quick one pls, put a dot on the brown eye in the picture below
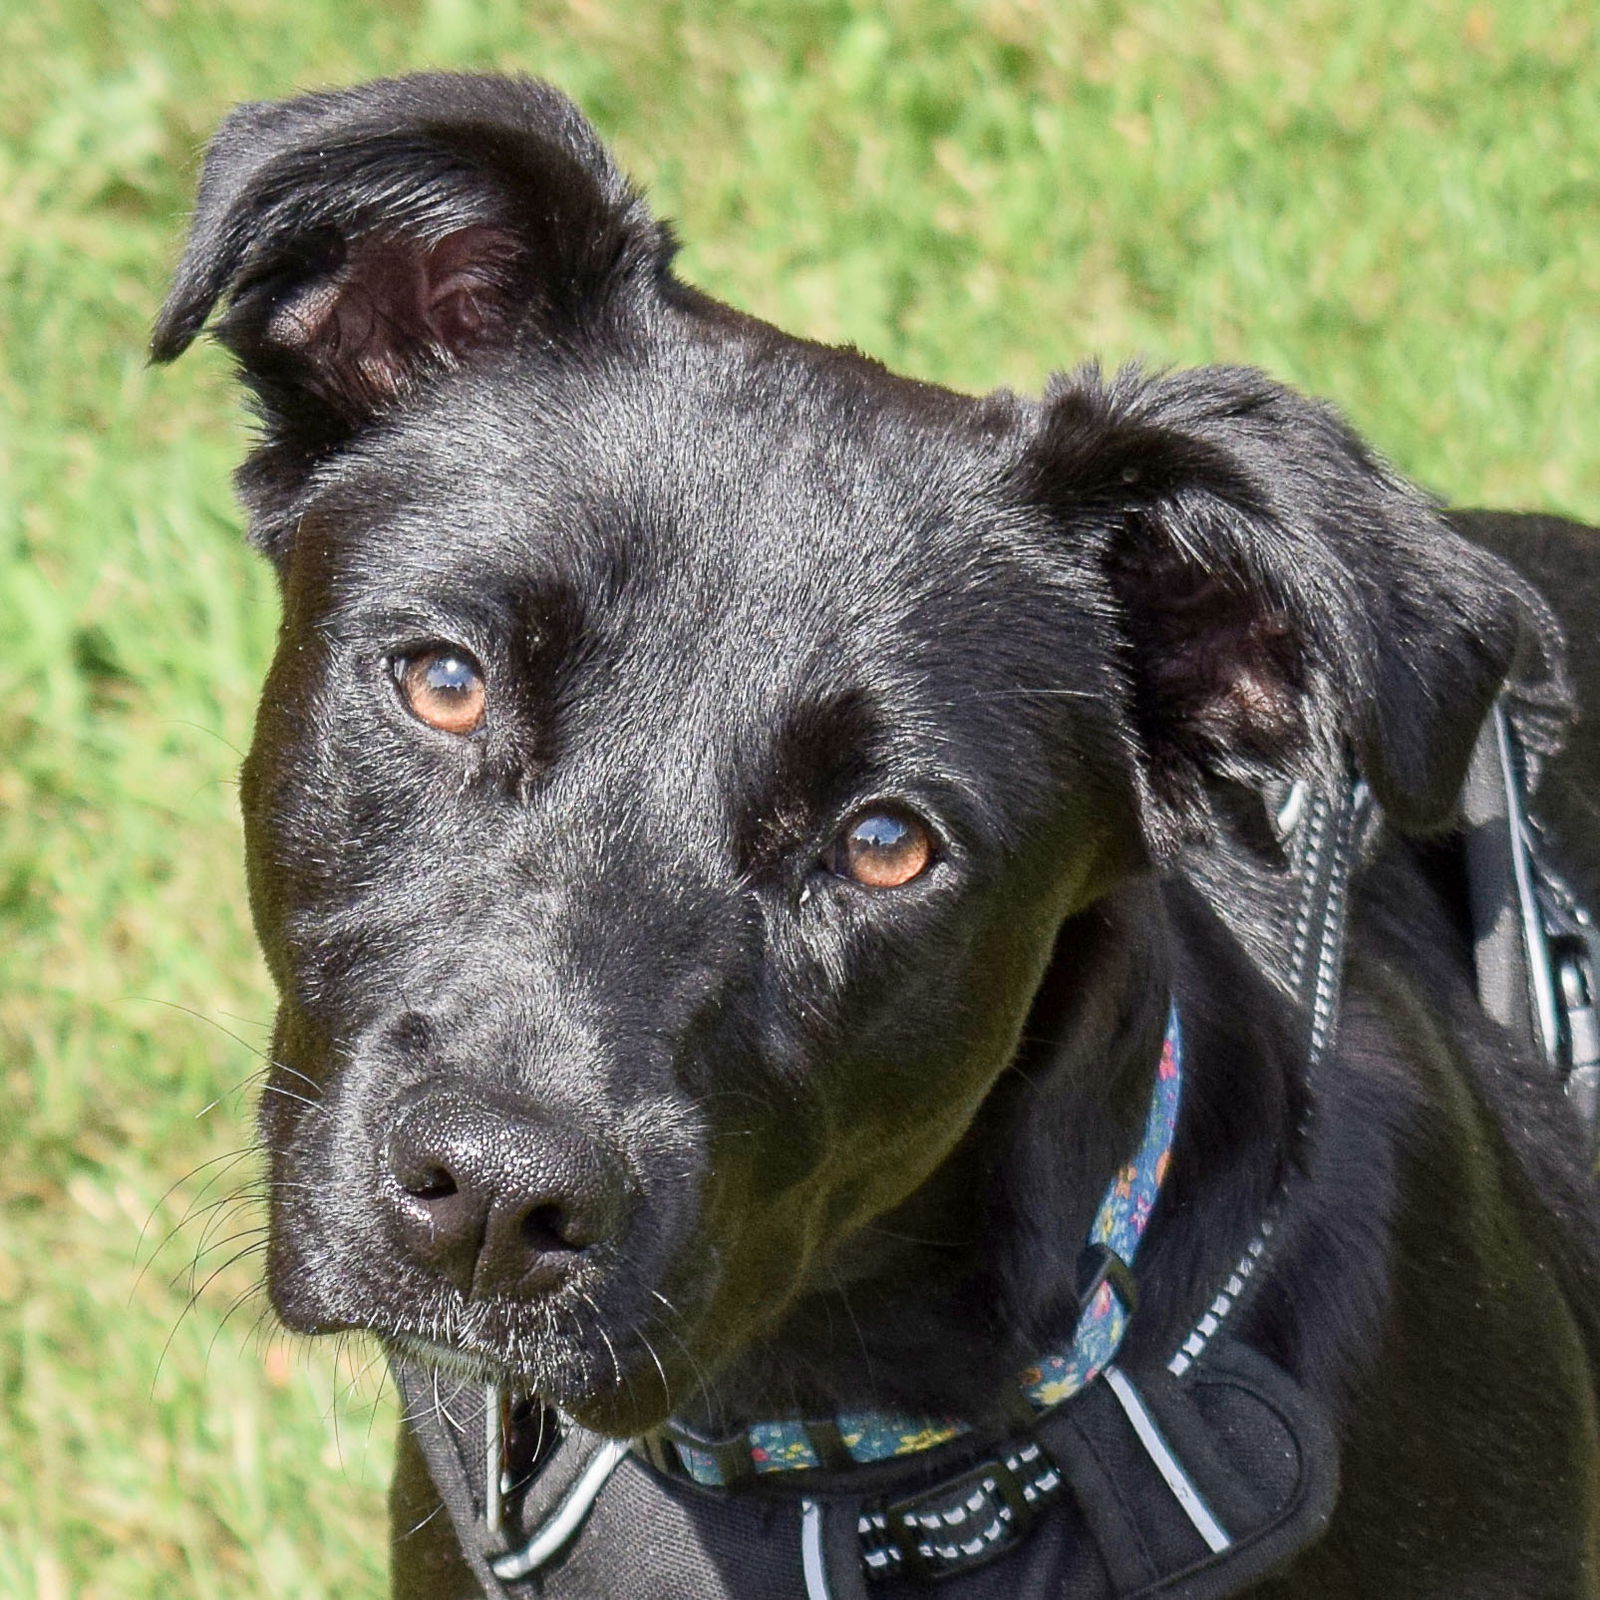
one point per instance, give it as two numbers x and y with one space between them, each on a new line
882 850
444 688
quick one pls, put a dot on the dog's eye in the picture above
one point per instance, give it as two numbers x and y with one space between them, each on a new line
444 688
882 850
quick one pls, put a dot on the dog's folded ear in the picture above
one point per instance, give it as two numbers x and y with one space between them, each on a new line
367 238
1282 597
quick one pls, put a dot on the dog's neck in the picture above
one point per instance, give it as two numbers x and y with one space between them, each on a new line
939 1305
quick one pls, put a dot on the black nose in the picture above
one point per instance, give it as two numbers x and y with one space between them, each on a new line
500 1203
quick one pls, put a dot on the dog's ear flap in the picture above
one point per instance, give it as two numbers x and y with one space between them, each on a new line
367 238
1281 595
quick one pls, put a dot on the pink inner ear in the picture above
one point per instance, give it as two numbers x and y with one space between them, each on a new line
395 307
462 286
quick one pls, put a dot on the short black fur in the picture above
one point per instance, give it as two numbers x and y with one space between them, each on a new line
799 1144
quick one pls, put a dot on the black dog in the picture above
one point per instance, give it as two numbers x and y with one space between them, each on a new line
731 828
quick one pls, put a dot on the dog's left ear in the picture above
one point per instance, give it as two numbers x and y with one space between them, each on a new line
368 242
1280 594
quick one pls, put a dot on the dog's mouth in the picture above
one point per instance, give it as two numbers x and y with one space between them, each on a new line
495 1238
614 1383
455 1363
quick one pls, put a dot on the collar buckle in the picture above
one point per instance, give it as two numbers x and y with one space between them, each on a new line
727 1455
1099 1264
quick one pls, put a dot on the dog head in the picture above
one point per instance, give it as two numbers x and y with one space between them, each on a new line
687 745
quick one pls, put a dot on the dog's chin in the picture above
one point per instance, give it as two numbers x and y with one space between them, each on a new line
610 1382
622 1406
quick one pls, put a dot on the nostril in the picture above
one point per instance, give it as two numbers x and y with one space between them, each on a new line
432 1183
548 1228
442 1209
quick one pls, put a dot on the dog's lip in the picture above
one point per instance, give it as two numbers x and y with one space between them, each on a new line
467 1365
456 1363
461 1366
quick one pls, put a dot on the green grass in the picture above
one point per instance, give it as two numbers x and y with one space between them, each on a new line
1393 205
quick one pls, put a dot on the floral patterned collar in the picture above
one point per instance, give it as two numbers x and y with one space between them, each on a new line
864 1436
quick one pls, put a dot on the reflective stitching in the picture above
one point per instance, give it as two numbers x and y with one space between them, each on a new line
1167 1464
567 1518
812 1562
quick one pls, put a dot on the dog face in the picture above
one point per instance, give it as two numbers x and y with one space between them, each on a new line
719 911
686 745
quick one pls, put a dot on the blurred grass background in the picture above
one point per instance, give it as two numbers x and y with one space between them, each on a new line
1395 205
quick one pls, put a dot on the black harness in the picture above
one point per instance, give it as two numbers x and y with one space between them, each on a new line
1535 947
1189 1476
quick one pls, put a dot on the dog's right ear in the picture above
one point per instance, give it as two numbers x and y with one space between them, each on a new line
366 239
1284 600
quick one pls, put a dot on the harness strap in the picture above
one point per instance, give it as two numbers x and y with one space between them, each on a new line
1535 948
1186 1489
1322 840
544 1484
1515 981
443 1415
1151 1484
